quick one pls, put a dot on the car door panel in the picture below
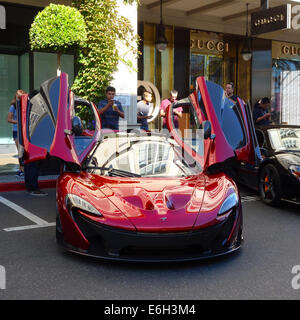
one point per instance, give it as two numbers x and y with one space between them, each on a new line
47 124
232 129
220 149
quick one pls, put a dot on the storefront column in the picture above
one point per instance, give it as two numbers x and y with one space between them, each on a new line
125 79
261 69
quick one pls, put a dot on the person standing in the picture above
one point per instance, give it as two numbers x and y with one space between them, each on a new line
261 115
12 118
32 169
110 110
177 111
31 177
143 108
229 92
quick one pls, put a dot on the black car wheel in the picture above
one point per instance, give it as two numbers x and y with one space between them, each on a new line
269 185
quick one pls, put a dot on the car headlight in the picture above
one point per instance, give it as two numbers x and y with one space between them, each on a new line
295 170
75 201
230 202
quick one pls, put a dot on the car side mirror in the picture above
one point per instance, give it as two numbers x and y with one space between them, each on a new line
77 127
207 131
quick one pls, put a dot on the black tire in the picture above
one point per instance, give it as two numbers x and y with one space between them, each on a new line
269 185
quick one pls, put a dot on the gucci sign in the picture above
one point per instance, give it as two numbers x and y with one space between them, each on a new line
209 45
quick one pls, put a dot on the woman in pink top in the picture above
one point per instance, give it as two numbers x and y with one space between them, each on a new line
177 112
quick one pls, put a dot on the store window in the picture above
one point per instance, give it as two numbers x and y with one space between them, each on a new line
24 72
212 57
45 66
9 79
286 91
211 67
15 74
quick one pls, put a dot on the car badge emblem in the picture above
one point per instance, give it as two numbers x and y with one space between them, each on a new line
163 218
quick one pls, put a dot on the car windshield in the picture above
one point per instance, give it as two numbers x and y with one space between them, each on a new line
285 139
141 154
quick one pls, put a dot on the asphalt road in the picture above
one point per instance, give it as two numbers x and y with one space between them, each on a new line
36 268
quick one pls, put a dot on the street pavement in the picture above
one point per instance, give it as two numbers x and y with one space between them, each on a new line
36 268
9 166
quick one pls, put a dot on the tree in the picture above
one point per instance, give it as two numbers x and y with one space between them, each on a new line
99 58
58 28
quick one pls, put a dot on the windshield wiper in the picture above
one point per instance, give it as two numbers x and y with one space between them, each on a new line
115 172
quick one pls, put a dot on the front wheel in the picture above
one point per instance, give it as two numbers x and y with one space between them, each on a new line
269 185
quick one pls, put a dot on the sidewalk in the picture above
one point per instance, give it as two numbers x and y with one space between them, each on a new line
9 165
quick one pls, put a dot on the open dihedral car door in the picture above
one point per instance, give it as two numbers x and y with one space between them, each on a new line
47 123
227 126
209 145
189 140
232 122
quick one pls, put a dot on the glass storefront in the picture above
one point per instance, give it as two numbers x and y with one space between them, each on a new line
286 91
19 68
211 57
9 80
15 74
45 65
286 83
209 66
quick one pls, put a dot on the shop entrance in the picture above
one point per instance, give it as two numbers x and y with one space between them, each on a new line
209 66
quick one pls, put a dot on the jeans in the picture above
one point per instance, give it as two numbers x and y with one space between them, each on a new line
31 176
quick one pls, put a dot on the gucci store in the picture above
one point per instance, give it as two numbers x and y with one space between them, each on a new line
190 54
273 71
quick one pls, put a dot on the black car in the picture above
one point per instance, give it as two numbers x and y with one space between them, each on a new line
276 174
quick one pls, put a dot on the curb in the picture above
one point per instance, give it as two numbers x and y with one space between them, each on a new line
18 186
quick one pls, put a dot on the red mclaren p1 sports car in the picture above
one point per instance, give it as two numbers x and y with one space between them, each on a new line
142 196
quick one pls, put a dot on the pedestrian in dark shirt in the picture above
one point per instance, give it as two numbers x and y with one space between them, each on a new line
110 110
261 115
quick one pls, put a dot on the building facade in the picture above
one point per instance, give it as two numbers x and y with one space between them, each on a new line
20 68
203 42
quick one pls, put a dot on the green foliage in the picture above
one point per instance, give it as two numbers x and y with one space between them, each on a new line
86 115
131 1
57 28
98 60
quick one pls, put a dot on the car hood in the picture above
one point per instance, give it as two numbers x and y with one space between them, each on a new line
288 158
162 204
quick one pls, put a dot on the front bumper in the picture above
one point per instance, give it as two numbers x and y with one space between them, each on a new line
117 244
